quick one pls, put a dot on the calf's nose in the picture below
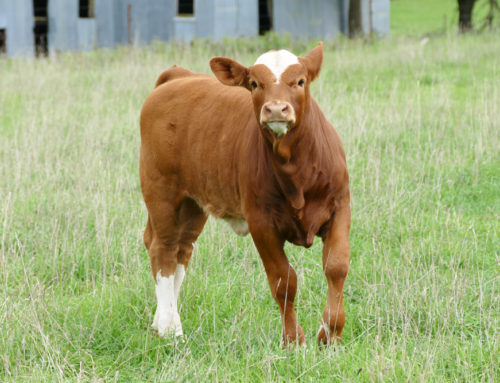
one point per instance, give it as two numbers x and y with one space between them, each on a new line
276 111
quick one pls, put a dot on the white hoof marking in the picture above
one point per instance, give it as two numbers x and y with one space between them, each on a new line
169 323
154 325
167 320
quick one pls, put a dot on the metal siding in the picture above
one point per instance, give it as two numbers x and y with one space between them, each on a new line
235 18
156 19
225 18
63 34
151 20
311 19
3 14
248 18
140 23
344 27
159 16
380 22
184 28
204 11
17 18
381 17
105 23
120 18
86 29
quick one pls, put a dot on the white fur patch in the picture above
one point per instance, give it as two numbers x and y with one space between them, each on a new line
277 61
180 272
167 320
239 226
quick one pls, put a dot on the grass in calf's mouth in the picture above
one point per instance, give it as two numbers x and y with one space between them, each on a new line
278 127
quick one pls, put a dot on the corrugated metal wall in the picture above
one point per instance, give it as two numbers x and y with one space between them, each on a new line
115 21
16 17
311 19
375 15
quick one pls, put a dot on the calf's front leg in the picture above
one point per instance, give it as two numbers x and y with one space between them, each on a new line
335 266
282 280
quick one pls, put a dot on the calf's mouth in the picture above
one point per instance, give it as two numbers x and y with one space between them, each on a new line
278 127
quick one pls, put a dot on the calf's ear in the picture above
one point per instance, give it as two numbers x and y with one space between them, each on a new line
229 72
313 61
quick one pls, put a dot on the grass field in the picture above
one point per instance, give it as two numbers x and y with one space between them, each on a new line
431 17
420 125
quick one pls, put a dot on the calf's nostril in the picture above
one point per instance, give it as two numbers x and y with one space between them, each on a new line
284 109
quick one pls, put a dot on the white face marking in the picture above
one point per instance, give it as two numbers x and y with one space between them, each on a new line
277 61
166 319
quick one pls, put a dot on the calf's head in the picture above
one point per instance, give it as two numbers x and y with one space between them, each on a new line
279 83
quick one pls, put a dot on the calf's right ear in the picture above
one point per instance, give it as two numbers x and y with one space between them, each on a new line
313 61
229 72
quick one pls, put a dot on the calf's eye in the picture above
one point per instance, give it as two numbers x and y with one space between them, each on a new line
300 83
254 84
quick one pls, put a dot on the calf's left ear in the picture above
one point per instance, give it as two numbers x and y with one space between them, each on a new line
229 72
313 61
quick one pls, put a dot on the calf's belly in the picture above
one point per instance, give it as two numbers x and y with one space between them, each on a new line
239 225
229 214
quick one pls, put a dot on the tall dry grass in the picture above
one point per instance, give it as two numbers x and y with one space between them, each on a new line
420 126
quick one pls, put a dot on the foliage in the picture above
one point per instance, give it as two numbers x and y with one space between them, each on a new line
431 17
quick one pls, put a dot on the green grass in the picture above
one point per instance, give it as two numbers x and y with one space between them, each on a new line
420 126
424 17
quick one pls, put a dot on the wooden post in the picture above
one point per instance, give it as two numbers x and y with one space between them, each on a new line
355 26
129 23
371 16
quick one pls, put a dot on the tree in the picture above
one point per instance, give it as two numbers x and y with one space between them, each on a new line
355 26
465 15
491 11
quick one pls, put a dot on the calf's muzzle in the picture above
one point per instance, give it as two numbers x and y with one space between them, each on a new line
277 116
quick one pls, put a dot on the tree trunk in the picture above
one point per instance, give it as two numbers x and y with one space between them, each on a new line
465 15
355 27
491 11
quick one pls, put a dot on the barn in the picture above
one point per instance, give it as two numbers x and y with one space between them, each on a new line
32 27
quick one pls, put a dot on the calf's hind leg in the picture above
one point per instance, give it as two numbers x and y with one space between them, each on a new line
169 236
191 220
162 234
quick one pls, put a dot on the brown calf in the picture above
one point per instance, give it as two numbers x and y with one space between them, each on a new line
251 147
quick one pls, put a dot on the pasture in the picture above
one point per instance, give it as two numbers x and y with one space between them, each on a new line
420 126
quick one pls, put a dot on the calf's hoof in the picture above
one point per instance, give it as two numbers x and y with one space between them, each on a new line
327 337
167 324
296 338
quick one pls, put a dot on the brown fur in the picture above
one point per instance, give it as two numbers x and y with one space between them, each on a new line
203 152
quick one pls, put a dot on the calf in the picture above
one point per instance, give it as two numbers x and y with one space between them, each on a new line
252 147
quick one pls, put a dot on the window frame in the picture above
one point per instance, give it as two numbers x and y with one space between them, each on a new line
185 14
90 9
3 42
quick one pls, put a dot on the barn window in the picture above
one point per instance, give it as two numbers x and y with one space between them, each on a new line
3 42
185 8
265 16
86 9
